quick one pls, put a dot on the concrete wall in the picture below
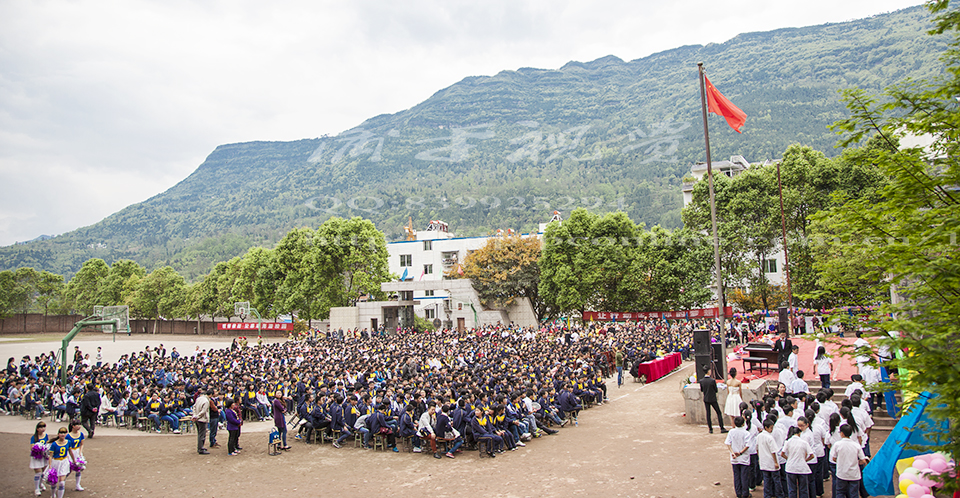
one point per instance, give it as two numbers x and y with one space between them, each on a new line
345 317
696 412
35 323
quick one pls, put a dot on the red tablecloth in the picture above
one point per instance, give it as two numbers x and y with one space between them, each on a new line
658 368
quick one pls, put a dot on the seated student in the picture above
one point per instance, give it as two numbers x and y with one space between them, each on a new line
107 410
73 406
32 403
167 414
303 411
337 420
153 411
364 429
548 408
408 429
482 429
514 421
569 404
377 422
58 403
500 428
249 402
264 405
799 386
426 427
445 427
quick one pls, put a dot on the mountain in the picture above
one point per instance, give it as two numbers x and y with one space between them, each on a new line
503 151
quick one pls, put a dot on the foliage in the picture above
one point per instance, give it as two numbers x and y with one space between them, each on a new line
910 232
752 299
422 324
640 133
505 269
607 263
83 290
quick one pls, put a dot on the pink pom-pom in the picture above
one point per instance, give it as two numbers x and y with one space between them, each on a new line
52 477
78 465
36 451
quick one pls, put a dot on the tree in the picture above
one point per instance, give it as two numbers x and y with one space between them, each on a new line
299 274
83 290
113 289
257 280
505 269
669 271
49 293
359 258
161 294
911 231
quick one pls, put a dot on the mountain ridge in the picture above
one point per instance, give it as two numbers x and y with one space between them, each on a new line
502 151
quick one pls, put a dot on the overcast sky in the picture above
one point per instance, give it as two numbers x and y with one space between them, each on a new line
106 103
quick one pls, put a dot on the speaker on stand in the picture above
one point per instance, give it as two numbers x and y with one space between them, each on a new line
703 355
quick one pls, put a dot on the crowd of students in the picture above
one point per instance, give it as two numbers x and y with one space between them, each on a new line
792 442
496 386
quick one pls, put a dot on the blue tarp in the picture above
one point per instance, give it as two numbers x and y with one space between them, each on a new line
914 428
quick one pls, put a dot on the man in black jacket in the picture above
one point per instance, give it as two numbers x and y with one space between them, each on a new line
783 347
708 387
89 407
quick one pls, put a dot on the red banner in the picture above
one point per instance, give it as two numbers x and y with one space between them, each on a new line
616 316
255 326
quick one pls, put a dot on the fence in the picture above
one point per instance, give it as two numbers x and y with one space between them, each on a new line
37 323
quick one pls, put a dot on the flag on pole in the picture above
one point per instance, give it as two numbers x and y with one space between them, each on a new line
404 276
459 270
720 105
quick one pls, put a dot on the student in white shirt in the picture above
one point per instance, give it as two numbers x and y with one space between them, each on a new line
767 452
738 444
856 384
847 456
833 436
798 453
794 359
864 422
824 366
799 385
786 376
818 441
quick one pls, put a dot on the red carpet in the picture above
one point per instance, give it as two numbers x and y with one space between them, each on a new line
843 366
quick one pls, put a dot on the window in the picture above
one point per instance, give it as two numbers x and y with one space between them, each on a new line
406 295
430 313
427 245
770 266
428 293
459 306
428 269
406 260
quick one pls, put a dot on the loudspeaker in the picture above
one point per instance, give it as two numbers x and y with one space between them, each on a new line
703 360
719 361
701 342
784 320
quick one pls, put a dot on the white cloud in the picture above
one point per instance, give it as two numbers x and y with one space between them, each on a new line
129 96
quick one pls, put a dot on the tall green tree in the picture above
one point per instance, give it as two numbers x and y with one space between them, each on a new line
83 290
113 289
911 231
50 293
359 258
160 294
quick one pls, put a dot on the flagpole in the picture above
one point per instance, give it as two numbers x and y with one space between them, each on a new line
713 222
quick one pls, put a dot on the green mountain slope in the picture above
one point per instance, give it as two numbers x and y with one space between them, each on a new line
504 151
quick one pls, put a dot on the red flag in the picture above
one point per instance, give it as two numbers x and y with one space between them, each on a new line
718 104
460 270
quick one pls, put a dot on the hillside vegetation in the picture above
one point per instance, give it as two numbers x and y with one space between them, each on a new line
504 151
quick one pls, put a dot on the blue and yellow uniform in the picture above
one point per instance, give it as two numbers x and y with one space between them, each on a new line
58 457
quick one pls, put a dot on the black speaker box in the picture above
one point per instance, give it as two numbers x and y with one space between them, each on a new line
701 342
784 320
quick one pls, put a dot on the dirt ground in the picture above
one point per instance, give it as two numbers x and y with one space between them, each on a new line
637 445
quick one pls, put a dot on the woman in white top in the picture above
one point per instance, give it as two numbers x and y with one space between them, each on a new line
732 405
824 366
798 453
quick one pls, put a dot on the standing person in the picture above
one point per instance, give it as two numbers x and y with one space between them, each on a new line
732 406
216 415
233 428
75 439
769 463
201 416
798 453
89 406
783 347
99 356
279 419
708 388
848 456
58 458
38 458
824 366
619 363
739 449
